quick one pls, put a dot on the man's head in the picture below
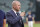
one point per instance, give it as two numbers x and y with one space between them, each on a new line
29 12
16 5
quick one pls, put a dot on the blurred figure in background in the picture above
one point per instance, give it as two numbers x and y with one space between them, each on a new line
14 19
30 19
2 19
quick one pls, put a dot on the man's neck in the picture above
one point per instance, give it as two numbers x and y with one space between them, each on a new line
14 9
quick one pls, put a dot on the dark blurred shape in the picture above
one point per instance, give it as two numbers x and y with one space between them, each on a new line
37 11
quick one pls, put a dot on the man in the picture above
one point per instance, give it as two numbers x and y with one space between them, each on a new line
14 19
2 19
30 19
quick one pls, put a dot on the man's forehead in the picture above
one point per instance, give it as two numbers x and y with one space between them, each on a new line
29 12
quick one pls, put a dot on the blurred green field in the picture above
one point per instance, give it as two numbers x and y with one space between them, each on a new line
25 25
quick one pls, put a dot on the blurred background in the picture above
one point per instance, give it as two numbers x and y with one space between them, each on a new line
26 5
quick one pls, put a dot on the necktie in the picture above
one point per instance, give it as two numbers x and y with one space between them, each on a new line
19 15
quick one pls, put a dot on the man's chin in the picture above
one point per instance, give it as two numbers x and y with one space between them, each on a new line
17 10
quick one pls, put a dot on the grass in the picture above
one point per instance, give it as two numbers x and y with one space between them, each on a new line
6 25
34 25
25 25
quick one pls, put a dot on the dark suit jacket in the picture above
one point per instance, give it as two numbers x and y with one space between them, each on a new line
13 20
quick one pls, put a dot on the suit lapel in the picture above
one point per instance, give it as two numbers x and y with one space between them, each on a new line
13 13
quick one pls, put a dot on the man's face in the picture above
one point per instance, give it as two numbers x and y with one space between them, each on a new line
17 6
29 13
